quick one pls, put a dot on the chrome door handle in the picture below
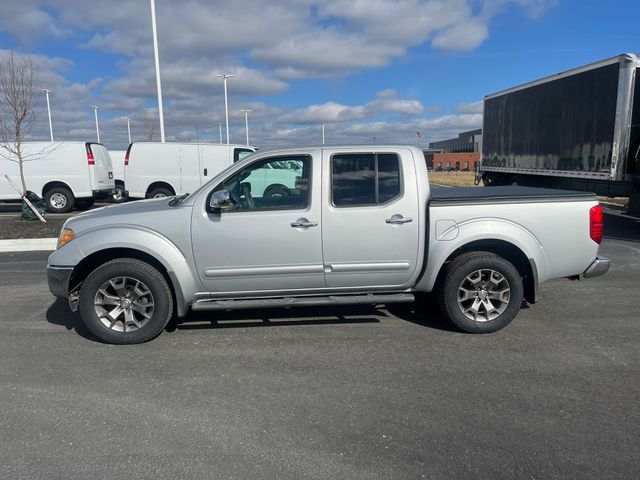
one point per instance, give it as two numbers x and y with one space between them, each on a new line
398 220
303 223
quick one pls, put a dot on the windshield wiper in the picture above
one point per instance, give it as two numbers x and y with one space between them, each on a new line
176 200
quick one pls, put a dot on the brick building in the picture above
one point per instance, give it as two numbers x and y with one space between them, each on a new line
466 161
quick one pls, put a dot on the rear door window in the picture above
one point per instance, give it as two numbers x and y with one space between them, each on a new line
364 179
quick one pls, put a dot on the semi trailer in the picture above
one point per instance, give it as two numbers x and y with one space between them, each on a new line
578 130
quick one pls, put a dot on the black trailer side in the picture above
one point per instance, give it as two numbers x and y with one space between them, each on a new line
579 130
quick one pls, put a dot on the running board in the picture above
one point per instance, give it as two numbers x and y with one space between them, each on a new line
370 299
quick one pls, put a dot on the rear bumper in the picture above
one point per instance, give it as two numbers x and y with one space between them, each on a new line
58 279
598 267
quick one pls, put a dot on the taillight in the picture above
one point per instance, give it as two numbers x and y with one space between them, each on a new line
596 222
126 155
90 160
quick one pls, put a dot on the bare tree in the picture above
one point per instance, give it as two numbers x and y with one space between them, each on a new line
17 113
149 126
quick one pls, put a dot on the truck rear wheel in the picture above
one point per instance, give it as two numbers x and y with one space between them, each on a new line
480 292
125 301
59 200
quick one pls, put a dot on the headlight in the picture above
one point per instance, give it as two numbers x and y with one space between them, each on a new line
66 235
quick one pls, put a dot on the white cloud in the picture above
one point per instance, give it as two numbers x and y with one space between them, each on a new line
473 107
267 45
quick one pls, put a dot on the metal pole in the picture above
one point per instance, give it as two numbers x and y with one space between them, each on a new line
95 111
246 122
46 92
224 77
157 60
129 128
220 125
323 133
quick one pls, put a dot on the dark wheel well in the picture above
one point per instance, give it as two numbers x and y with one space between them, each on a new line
155 185
277 187
509 252
54 184
88 264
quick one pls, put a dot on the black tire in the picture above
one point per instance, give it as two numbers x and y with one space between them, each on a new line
274 191
137 271
453 279
118 195
84 203
59 200
160 192
516 181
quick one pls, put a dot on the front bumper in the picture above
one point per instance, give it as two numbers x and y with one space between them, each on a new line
58 279
598 267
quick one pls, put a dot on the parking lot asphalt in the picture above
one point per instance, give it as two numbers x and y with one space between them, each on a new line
354 393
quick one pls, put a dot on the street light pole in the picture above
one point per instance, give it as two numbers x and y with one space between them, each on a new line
129 129
323 133
246 122
220 126
224 77
46 92
95 111
157 61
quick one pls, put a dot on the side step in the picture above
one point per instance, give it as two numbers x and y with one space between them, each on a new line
369 299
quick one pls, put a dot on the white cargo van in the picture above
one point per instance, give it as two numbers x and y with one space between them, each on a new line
65 174
155 169
117 161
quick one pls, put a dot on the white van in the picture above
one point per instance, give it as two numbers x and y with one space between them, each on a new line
65 174
155 169
117 162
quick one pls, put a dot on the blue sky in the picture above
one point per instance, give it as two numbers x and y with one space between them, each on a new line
365 68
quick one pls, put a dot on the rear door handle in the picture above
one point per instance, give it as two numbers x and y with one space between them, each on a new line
398 219
303 223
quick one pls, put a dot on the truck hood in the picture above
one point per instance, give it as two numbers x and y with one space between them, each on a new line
140 212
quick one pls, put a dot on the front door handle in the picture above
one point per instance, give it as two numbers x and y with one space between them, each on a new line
303 223
398 219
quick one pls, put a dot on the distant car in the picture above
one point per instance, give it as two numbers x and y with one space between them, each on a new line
155 170
65 174
117 161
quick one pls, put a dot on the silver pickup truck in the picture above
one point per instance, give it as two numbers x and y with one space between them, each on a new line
361 225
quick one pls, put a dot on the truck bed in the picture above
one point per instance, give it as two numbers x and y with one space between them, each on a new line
441 196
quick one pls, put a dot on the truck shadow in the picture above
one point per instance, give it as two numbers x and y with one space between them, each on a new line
277 317
424 315
58 313
622 227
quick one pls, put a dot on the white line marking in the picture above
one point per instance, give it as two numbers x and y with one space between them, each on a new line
28 244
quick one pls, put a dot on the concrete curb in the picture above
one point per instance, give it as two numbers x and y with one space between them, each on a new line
28 244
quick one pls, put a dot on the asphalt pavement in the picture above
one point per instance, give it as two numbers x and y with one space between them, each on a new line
350 393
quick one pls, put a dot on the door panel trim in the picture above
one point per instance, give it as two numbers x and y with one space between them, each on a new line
263 271
369 267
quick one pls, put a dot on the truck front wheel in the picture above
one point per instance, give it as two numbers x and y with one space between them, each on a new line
480 292
125 301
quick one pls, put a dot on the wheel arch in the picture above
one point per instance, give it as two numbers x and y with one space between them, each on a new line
526 266
159 184
55 184
505 239
89 263
276 185
93 248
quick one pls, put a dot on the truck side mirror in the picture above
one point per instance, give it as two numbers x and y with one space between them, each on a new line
220 201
